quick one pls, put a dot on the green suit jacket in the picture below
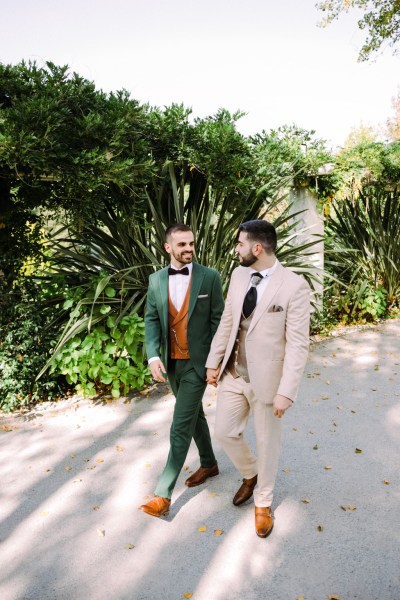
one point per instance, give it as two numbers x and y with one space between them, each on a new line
206 304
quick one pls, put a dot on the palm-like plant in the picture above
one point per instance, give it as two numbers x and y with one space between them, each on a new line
365 241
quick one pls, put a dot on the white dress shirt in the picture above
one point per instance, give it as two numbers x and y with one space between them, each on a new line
262 286
177 288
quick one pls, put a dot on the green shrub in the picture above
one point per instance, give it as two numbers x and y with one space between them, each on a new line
25 342
110 357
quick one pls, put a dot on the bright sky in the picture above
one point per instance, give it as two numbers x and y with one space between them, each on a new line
265 57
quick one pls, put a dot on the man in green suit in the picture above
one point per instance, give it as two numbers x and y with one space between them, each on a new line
184 307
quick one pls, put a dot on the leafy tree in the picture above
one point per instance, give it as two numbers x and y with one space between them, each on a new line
381 20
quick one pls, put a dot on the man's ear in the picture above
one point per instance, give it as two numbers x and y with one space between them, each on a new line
167 247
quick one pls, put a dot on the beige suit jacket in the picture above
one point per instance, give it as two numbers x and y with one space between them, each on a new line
278 338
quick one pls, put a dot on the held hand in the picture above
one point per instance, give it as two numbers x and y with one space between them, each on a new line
212 376
281 404
157 369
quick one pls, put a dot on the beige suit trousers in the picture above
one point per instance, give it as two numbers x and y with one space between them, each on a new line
235 400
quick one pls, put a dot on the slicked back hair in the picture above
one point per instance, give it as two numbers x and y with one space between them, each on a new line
174 228
262 232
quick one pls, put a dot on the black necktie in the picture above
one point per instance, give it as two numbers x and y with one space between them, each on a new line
250 299
184 271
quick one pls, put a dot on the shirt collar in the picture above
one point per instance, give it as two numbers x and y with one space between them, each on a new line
266 272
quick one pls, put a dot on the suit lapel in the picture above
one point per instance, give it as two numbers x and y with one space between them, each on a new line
272 288
197 279
163 289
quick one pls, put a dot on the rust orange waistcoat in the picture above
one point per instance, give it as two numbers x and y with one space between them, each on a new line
178 325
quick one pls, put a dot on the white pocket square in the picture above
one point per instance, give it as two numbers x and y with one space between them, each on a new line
203 296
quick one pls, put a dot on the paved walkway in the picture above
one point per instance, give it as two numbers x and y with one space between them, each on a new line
73 474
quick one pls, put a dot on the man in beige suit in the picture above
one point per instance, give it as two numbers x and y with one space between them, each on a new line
258 353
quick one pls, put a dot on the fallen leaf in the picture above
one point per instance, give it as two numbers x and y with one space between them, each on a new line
315 447
212 494
286 470
320 528
154 433
386 482
353 411
328 467
352 507
129 546
119 448
148 466
334 597
202 528
187 595
99 460
306 500
328 382
72 455
96 507
357 451
343 508
6 428
90 467
294 428
76 480
68 468
44 513
218 532
300 598
101 532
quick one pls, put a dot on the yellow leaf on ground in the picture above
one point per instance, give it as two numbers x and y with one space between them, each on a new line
328 467
306 500
300 598
187 595
72 455
343 508
357 451
129 546
218 532
334 597
119 448
320 528
286 470
6 428
202 528
99 460
386 482
101 532
96 507
212 494
148 466
68 468
44 513
352 507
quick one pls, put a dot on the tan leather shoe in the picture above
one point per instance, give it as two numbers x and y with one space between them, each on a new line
201 475
157 507
264 521
245 491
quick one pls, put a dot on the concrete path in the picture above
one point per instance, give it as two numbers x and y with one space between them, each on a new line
73 474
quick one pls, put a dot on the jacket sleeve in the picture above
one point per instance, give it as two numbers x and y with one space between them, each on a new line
221 337
153 331
297 341
217 303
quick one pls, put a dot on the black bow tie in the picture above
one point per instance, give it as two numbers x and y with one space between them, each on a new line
184 271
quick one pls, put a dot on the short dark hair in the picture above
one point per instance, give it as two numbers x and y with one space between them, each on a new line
176 227
262 232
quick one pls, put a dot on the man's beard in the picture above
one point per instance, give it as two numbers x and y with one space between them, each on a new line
248 260
184 257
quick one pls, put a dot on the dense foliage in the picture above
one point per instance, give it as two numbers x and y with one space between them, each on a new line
90 181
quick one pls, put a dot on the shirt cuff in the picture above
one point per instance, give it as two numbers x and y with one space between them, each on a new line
152 359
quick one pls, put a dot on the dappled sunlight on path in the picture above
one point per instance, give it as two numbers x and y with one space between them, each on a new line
74 473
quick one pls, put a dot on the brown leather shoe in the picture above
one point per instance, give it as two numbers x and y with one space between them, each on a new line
201 475
264 521
245 491
157 507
